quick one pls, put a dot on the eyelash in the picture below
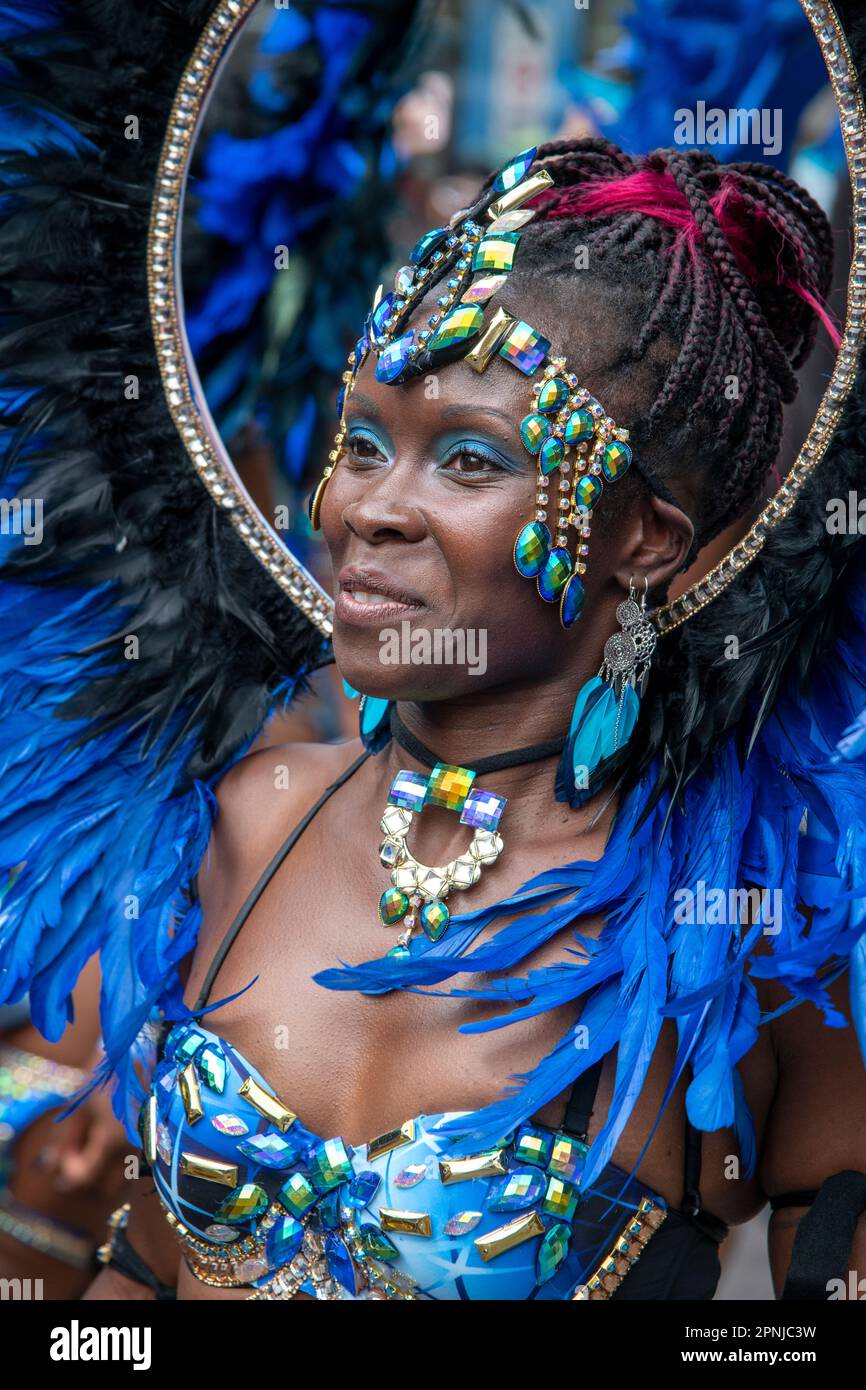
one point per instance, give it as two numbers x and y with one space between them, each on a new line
462 450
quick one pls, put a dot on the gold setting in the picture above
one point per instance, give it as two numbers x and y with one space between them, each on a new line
506 1237
391 1139
490 1164
516 197
191 1094
480 355
197 1166
408 1223
625 1251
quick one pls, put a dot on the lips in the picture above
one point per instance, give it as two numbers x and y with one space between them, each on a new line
370 596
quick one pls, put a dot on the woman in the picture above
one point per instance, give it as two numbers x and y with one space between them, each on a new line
683 296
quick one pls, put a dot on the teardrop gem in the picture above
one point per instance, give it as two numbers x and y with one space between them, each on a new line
531 549
579 427
457 328
553 394
550 456
242 1204
393 905
556 571
615 459
552 1252
571 606
534 429
434 919
393 358
427 243
283 1242
515 171
379 317
587 493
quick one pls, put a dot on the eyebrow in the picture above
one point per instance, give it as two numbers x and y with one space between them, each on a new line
447 412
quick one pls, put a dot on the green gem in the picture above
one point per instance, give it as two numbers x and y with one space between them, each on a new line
434 918
398 952
393 905
553 394
552 1252
377 1244
457 327
242 1203
579 427
571 605
551 455
297 1194
496 251
615 459
534 429
560 1199
330 1164
533 1146
587 493
212 1067
557 568
531 549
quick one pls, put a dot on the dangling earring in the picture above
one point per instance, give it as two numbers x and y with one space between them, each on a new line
607 706
374 719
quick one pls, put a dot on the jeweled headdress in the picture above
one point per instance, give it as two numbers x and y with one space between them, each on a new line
577 446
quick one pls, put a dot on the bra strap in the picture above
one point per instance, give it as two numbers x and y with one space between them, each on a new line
581 1100
253 897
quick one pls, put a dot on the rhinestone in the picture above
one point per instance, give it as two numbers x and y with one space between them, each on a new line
393 359
395 821
269 1150
615 460
571 604
520 1189
552 1252
531 1146
550 456
411 1176
221 1234
393 905
434 919
212 1068
243 1203
461 1223
456 328
515 171
531 549
534 430
579 427
330 1164
555 573
482 289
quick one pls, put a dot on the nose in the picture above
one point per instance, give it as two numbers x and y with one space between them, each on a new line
384 511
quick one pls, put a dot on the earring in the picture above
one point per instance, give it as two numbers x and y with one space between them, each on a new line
374 719
607 706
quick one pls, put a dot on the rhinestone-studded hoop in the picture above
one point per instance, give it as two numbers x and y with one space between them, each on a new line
178 374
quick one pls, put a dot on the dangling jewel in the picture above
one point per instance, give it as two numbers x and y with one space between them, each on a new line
531 549
553 576
579 427
615 459
550 456
571 604
393 905
374 715
553 395
534 430
434 919
587 493
379 319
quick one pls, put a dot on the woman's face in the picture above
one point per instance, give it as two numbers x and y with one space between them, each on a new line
420 517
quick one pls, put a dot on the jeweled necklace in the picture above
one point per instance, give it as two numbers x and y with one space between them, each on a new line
418 892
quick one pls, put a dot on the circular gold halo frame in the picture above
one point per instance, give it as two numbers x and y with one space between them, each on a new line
201 438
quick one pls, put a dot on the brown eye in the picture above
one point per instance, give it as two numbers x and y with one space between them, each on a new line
363 445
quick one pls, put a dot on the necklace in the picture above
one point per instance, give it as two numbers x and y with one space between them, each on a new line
416 898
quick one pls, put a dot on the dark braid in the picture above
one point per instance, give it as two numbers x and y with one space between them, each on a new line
718 304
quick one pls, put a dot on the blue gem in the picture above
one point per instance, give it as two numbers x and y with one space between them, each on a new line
329 1208
519 1189
329 1164
363 1188
340 1262
557 568
187 1046
514 172
531 549
571 605
269 1150
552 1252
379 318
533 1146
341 397
283 1242
394 358
427 243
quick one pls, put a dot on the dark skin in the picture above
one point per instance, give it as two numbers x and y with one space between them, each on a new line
439 520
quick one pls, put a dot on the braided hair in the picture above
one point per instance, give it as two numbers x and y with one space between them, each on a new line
725 265
721 273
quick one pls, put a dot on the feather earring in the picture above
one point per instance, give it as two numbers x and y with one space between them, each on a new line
374 719
607 706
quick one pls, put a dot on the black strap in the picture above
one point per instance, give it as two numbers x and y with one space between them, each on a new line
514 757
128 1261
822 1246
581 1102
253 897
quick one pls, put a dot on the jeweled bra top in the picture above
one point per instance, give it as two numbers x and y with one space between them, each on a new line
256 1199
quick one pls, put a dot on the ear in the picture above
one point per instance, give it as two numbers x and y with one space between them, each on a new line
659 539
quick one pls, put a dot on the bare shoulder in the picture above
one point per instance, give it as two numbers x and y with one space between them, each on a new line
259 800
